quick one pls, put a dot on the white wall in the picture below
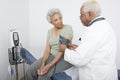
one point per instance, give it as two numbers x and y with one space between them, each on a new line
70 10
13 14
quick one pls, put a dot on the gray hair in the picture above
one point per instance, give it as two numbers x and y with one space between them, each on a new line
93 6
52 12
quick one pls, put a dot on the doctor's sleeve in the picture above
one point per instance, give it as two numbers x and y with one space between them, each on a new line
85 51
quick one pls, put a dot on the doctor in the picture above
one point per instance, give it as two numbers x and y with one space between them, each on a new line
96 54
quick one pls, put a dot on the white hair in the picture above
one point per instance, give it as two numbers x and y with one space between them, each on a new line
93 6
52 12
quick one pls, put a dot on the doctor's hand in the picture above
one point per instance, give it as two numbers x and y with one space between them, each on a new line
72 46
62 47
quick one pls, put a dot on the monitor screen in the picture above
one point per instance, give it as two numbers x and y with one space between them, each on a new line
15 35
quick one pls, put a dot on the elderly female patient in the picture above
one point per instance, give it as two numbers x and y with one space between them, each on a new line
52 60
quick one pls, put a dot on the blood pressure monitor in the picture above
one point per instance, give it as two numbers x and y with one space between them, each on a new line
15 38
14 53
14 47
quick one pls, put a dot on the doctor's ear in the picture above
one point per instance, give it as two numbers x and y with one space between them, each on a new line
51 22
91 14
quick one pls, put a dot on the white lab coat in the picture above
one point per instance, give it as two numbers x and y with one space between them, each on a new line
96 54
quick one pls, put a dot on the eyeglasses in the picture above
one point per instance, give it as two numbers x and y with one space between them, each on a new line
81 14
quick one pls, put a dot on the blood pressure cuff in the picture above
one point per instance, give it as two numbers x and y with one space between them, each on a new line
61 76
62 40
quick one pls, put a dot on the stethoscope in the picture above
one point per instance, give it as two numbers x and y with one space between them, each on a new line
98 19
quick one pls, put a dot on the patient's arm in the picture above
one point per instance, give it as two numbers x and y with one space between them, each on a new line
46 68
46 53
57 57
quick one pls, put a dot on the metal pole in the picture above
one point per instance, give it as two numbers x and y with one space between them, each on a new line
16 68
24 68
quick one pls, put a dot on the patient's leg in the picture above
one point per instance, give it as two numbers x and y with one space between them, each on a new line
31 73
27 56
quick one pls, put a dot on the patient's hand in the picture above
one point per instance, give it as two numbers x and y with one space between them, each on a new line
44 70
